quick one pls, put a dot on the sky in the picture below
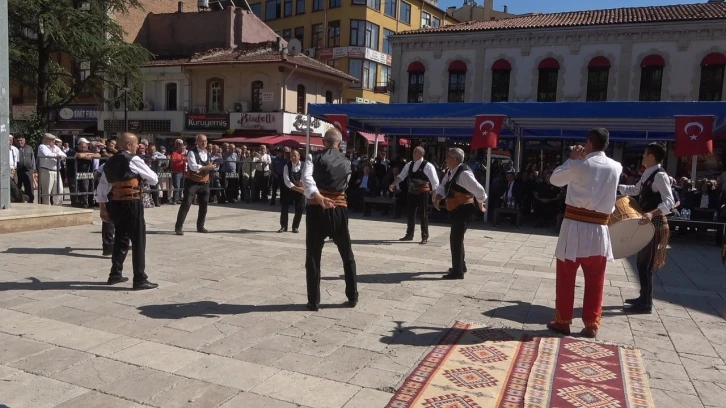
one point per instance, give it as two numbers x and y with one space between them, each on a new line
555 6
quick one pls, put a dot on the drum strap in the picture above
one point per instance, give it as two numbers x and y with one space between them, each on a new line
585 215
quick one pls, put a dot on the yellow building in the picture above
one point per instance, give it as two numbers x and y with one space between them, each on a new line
351 35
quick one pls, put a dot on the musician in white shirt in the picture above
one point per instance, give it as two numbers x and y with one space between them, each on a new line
291 192
262 175
49 156
14 155
592 180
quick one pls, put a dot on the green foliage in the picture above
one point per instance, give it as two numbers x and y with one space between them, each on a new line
33 129
41 31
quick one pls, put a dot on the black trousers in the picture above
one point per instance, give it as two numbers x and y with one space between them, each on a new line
192 189
288 197
277 183
108 230
320 224
231 188
25 183
130 226
460 219
262 186
418 204
82 187
644 263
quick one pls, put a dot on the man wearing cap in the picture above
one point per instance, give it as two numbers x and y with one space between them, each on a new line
80 173
49 161
26 173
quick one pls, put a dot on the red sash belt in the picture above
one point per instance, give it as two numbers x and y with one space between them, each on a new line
338 198
585 215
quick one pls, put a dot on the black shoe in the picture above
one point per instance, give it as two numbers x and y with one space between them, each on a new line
202 230
407 238
112 280
313 308
424 241
295 231
145 285
353 302
453 275
638 309
178 232
107 252
633 301
281 230
451 270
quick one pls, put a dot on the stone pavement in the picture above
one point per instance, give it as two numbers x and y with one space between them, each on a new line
228 327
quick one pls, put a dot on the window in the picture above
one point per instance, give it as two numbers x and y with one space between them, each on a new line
387 46
416 72
335 63
598 71
425 19
389 8
370 74
257 9
300 7
334 34
288 8
300 34
549 70
436 22
372 31
273 9
457 81
256 96
171 96
651 77
287 34
355 69
317 39
405 13
374 4
301 99
501 74
712 77
385 74
328 97
364 34
359 2
215 94
318 5
335 3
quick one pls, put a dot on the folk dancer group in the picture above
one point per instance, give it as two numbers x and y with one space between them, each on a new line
584 241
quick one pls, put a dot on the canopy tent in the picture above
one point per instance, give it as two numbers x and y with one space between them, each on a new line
294 141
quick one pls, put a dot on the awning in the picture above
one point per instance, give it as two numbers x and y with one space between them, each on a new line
295 141
371 138
404 142
75 128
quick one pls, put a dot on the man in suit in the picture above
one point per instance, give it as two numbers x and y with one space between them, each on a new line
26 171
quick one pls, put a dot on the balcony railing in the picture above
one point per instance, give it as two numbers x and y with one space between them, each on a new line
385 87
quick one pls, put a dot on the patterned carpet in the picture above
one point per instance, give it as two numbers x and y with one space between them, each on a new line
476 367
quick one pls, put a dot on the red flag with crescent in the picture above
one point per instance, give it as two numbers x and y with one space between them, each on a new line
694 135
340 122
486 131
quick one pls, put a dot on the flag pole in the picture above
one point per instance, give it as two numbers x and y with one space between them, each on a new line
694 161
488 178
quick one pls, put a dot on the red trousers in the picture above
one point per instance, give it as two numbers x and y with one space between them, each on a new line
594 270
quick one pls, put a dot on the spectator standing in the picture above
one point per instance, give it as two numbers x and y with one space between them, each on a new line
230 173
26 172
262 175
178 166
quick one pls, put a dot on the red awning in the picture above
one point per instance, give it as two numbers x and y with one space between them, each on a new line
295 141
404 142
457 66
549 63
714 58
653 60
501 65
371 137
599 62
416 68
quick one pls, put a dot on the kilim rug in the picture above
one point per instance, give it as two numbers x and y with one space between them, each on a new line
477 367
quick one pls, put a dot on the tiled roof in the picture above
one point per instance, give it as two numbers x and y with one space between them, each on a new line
261 54
631 15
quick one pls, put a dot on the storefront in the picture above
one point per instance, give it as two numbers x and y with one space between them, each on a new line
75 121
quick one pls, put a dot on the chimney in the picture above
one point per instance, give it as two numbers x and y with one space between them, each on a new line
180 7
278 43
506 9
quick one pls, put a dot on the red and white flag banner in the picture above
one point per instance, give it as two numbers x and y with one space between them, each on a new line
340 122
694 135
486 131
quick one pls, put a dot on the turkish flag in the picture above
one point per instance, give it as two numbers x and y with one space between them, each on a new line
694 135
340 122
486 131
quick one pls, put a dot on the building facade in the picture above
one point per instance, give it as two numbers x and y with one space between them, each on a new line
351 35
471 11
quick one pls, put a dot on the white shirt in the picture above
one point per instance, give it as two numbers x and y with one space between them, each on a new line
14 157
307 178
429 170
136 166
286 174
467 180
661 184
46 156
510 190
592 184
192 160
264 163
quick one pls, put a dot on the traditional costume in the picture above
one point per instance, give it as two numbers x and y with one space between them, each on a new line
292 178
653 192
107 229
584 236
196 183
120 189
327 172
422 179
460 188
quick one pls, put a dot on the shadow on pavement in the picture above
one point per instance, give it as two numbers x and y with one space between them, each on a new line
527 313
392 277
213 309
67 251
37 284
425 336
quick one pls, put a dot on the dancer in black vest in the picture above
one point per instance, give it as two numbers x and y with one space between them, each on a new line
325 177
460 188
119 195
196 183
422 179
656 201
291 192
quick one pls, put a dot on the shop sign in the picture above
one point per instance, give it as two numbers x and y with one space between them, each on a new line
78 113
378 57
138 126
357 52
23 112
298 124
263 121
267 96
209 121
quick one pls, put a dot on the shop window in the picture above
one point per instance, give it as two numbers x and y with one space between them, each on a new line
651 78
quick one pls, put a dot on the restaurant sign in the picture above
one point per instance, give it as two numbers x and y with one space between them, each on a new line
78 113
260 121
209 121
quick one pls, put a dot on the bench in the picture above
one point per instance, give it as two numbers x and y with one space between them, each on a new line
369 201
512 211
720 227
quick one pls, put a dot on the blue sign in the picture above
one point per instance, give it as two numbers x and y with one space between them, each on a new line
78 113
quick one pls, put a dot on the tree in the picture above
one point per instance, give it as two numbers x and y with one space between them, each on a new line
83 31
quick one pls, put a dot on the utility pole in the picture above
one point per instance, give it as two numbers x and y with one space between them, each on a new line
4 107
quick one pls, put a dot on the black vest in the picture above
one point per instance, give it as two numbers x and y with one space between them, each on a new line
331 170
118 167
294 176
649 199
199 159
452 185
418 177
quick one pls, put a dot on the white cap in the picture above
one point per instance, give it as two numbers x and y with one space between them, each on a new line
83 140
49 136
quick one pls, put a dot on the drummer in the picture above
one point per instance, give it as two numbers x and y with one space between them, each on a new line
584 237
655 198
